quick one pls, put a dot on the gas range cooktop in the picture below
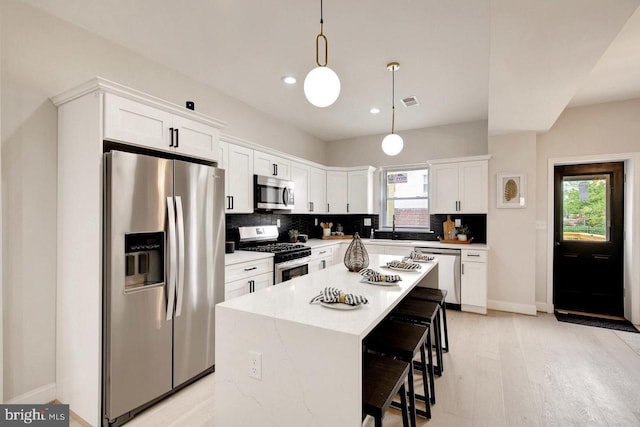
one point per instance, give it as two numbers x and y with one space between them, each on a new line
276 247
264 239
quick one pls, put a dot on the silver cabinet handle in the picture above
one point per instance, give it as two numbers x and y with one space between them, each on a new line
171 273
322 252
474 255
324 264
181 268
462 268
252 268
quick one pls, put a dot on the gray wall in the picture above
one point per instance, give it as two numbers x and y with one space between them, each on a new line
420 145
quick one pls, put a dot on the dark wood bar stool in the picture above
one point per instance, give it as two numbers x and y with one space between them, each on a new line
403 341
424 313
382 379
435 295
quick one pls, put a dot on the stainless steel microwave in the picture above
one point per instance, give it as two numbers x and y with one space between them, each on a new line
273 193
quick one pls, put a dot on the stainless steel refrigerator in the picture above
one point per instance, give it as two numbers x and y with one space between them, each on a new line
163 275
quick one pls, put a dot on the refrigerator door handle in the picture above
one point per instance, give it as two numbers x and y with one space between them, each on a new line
180 230
171 290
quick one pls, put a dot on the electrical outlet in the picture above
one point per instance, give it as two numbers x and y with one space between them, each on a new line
458 222
367 222
255 364
315 221
278 223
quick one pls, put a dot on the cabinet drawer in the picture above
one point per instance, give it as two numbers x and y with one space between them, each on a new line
243 286
248 269
474 256
321 252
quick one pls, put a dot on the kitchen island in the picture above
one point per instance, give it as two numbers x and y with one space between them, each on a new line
308 357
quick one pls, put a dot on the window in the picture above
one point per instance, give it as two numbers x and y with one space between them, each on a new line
585 207
405 196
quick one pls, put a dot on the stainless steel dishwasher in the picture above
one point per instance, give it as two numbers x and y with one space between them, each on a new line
448 272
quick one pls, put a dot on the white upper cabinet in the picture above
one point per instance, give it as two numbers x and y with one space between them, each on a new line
300 175
459 187
270 165
195 139
238 164
134 123
360 191
317 190
337 191
350 190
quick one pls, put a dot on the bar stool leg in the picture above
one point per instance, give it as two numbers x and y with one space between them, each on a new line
412 399
425 384
438 339
432 382
445 348
403 402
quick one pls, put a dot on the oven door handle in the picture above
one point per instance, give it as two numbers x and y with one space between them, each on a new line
293 263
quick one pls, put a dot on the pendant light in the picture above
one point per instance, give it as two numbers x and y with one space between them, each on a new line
322 85
392 144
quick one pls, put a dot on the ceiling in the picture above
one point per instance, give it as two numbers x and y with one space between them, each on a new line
515 63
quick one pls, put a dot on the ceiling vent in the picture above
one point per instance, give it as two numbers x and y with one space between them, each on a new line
410 101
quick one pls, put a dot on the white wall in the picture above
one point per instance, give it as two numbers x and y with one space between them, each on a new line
420 146
511 232
603 131
41 57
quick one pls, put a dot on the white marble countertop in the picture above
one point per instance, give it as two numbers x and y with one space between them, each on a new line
315 243
245 256
289 301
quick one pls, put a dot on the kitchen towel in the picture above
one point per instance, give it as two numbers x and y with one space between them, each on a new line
402 265
419 256
375 276
331 295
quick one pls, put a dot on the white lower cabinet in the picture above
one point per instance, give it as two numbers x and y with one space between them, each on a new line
374 248
474 281
321 258
246 277
248 285
339 251
398 250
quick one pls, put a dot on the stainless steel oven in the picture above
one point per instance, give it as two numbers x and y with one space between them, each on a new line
290 259
289 269
273 193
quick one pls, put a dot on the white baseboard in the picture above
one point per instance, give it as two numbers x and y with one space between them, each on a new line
39 396
512 307
544 307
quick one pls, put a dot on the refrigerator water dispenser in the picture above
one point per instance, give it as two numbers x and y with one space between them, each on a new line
144 260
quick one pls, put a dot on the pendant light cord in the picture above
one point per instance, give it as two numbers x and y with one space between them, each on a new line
326 43
393 99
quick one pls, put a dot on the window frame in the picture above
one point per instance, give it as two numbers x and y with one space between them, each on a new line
383 195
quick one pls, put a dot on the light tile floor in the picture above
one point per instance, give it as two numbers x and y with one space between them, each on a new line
503 370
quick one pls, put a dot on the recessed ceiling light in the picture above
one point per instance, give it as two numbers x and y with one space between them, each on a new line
374 110
290 80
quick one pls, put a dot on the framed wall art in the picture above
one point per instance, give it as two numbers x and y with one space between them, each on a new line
511 191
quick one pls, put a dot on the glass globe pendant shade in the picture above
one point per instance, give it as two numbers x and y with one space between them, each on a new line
322 86
392 144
